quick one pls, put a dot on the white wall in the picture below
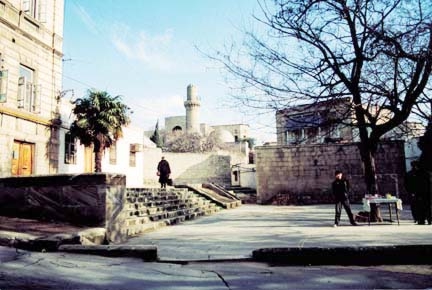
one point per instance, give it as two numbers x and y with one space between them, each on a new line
246 175
134 174
152 156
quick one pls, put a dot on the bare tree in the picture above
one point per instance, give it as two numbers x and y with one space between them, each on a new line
377 52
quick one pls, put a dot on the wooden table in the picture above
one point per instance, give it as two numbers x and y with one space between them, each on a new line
396 202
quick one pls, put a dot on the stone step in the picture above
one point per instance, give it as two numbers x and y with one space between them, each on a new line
150 209
134 228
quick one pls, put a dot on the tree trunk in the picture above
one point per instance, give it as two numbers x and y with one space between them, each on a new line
98 150
98 161
368 158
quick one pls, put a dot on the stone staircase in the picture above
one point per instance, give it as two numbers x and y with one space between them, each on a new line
147 209
245 194
216 194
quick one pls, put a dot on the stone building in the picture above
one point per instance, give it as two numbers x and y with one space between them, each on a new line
332 122
203 167
34 111
315 123
313 140
31 39
190 122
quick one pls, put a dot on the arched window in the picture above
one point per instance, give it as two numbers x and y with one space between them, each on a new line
177 128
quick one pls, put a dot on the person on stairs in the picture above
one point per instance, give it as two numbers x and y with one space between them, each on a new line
164 171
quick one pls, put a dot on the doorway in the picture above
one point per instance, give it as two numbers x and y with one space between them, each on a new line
22 158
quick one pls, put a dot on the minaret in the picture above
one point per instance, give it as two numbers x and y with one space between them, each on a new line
192 105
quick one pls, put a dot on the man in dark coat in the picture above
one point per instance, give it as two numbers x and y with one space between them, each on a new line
412 183
164 172
341 187
417 184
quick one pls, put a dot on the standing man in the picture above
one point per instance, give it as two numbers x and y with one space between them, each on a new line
341 187
412 185
164 171
417 184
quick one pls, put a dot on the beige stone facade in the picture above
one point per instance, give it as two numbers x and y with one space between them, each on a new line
303 174
31 39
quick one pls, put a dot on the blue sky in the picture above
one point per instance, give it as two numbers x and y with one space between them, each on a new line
145 50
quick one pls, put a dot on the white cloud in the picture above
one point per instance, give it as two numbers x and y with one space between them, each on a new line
150 50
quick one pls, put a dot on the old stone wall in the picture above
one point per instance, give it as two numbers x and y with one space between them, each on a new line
83 199
303 174
192 168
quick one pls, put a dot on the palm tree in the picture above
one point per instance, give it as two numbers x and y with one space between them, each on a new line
99 118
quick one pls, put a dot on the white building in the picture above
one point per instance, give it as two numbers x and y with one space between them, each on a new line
125 157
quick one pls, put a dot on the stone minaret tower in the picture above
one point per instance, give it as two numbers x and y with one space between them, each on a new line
192 105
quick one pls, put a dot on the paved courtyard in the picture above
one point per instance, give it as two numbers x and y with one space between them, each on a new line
213 253
236 233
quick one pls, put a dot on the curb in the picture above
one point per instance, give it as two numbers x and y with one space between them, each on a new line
145 252
46 244
362 256
51 243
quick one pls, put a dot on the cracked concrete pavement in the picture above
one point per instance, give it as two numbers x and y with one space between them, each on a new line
29 270
214 252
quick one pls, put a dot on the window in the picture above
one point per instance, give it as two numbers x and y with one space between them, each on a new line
35 8
3 85
236 175
27 92
113 154
335 131
132 159
251 158
312 134
295 136
70 149
29 7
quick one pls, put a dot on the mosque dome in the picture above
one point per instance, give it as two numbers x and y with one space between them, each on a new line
223 135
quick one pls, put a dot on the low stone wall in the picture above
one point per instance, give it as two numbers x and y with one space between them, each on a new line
99 200
303 174
94 199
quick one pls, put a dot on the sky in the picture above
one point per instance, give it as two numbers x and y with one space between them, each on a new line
148 51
